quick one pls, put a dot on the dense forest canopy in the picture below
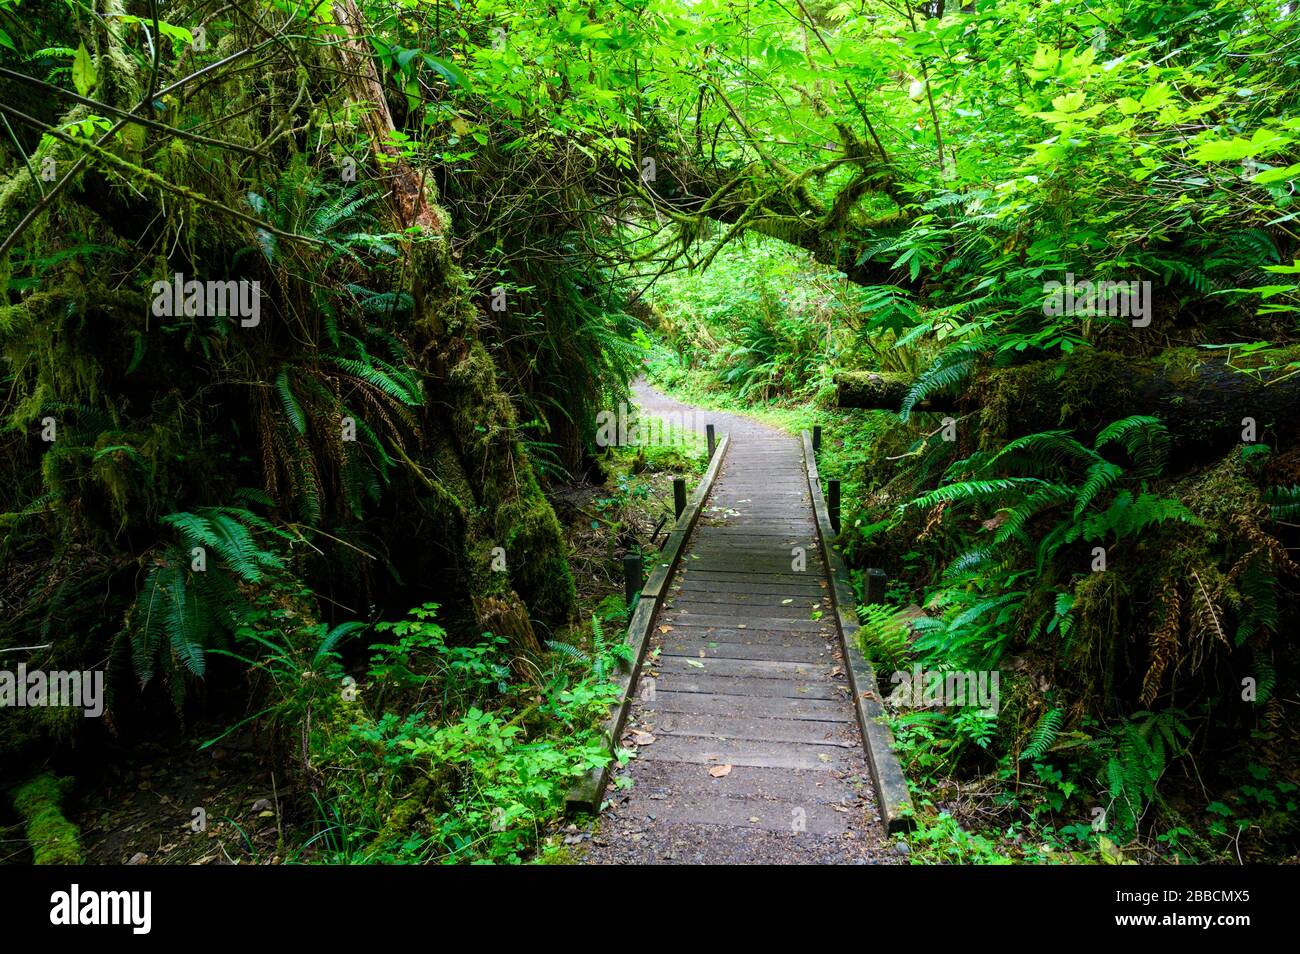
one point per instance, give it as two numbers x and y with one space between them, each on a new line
310 310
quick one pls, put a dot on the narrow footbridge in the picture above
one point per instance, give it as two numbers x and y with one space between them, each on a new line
748 707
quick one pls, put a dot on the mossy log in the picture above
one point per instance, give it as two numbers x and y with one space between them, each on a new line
881 390
54 839
1208 402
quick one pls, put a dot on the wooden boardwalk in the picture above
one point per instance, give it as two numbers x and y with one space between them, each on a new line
747 748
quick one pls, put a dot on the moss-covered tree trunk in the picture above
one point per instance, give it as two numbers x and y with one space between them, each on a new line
512 540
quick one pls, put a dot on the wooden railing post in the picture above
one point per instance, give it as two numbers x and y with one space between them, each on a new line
833 503
874 582
631 579
679 496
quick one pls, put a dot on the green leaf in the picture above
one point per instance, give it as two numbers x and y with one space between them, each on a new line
448 70
1069 103
177 33
1278 175
83 71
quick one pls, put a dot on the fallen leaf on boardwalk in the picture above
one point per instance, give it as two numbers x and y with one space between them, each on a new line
786 602
642 738
695 662
665 629
824 758
741 625
703 655
720 771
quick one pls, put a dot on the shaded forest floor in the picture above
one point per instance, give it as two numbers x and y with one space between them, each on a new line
237 801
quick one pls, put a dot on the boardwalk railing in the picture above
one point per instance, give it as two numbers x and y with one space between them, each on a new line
891 786
585 796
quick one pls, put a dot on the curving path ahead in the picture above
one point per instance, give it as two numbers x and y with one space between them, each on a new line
747 747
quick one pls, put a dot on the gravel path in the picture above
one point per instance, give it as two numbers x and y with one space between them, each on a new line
747 748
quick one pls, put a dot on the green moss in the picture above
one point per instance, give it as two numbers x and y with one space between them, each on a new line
1222 494
53 838
404 817
1180 365
1099 602
1086 387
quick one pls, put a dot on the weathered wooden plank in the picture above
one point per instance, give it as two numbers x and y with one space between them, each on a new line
790 586
784 707
751 621
806 731
756 668
769 606
709 752
675 645
758 637
809 597
668 779
742 686
796 818
693 571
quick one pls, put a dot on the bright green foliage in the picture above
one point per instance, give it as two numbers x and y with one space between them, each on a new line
470 772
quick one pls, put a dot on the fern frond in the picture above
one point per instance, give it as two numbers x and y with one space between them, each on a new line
968 562
1099 478
1283 502
1042 735
1041 499
970 491
1046 451
289 402
948 369
335 636
1145 438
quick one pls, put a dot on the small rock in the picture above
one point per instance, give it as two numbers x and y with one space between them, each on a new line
262 805
139 858
903 848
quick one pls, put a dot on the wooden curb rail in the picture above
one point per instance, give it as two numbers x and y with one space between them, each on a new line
586 794
891 786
